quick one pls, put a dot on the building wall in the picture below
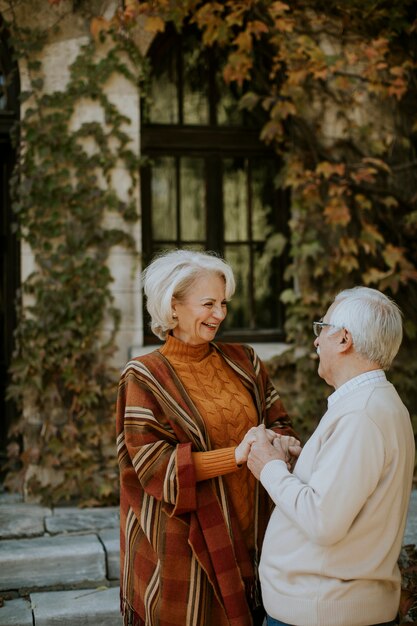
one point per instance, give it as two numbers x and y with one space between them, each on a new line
57 57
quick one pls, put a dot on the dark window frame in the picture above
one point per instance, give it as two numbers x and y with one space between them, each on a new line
213 143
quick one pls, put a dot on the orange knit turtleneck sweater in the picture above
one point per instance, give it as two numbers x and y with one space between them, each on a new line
228 412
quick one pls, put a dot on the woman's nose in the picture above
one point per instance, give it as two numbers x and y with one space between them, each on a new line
219 313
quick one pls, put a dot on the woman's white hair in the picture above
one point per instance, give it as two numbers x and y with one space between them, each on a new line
171 274
374 321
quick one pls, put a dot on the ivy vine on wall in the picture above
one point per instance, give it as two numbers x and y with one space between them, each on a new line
63 196
338 83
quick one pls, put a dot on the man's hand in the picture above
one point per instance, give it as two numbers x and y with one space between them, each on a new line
263 450
243 449
291 447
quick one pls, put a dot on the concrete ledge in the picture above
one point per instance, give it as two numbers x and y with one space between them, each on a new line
16 613
72 519
22 520
410 535
46 561
111 541
87 607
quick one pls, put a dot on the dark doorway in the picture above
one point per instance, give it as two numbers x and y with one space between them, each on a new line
9 246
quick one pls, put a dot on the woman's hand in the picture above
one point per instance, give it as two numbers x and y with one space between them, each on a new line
243 449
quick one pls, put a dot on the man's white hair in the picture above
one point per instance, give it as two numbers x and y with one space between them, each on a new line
172 274
374 321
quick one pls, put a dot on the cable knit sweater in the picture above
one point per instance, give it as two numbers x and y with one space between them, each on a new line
228 412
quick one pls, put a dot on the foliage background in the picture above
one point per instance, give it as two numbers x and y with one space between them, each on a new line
335 85
64 195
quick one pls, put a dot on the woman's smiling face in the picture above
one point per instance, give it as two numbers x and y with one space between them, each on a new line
202 310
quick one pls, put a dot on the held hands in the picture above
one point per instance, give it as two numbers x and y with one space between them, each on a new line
243 449
266 445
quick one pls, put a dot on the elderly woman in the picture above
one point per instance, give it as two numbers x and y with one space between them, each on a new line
192 515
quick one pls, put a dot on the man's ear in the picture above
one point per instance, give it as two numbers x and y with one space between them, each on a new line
346 341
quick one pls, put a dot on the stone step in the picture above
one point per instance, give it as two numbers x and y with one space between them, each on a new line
410 535
65 547
95 607
72 519
81 607
22 520
48 561
62 560
16 613
65 564
58 566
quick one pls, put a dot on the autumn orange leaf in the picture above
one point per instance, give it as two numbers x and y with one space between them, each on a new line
337 213
131 9
364 175
320 73
238 68
393 256
257 28
249 101
372 232
373 276
348 245
154 24
99 25
244 41
379 163
398 70
390 202
327 169
282 109
296 76
398 88
272 131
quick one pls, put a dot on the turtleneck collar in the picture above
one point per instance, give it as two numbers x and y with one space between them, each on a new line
173 348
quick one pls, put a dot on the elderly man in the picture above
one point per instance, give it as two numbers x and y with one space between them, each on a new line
330 553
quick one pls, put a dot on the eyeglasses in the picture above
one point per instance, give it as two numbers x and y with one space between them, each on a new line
317 326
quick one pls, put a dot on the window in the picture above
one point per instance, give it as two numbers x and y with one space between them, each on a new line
209 181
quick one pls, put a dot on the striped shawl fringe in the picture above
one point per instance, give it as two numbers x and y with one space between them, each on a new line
130 617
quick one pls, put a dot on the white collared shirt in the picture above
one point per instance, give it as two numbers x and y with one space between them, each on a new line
374 376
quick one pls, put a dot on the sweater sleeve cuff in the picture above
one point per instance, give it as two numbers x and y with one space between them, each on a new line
214 463
272 472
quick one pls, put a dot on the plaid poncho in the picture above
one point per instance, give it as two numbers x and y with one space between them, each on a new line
180 542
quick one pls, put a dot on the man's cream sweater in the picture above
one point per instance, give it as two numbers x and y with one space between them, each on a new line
330 553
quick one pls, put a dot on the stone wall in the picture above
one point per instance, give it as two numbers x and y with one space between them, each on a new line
57 56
